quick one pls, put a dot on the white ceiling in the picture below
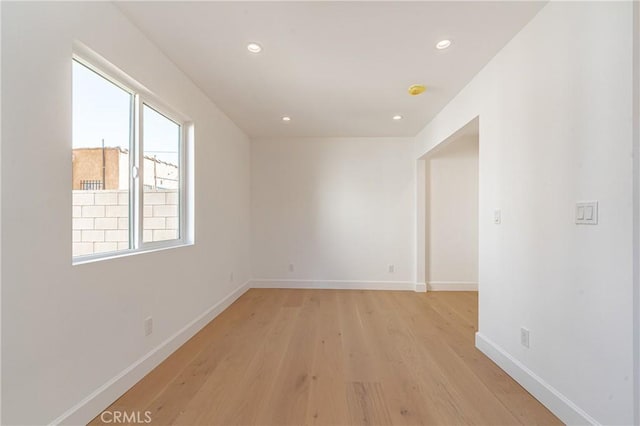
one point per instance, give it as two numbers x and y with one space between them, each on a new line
337 68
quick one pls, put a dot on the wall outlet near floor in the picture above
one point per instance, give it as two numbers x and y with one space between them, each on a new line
524 337
231 277
148 326
291 267
392 268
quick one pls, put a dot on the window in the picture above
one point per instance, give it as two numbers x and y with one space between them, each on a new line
161 148
128 165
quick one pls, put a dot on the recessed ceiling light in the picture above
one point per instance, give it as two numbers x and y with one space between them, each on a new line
254 48
443 44
397 117
286 118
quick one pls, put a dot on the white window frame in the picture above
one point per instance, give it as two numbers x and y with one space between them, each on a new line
144 100
142 96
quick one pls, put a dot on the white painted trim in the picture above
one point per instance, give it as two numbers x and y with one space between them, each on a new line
551 398
452 286
85 410
421 221
333 284
636 210
421 288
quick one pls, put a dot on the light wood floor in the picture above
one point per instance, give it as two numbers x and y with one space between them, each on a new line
293 357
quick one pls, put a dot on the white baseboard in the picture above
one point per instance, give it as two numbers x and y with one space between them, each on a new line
556 402
333 285
452 286
421 288
84 411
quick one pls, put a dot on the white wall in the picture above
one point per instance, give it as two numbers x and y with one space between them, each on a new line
1 316
67 330
452 206
338 209
556 128
636 203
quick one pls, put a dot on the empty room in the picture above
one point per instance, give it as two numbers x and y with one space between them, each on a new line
320 213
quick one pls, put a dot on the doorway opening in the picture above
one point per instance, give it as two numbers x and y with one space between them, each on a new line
448 218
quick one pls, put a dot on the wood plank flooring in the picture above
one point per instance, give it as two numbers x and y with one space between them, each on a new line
329 357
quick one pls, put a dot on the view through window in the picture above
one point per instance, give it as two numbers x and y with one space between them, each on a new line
161 138
102 115
111 167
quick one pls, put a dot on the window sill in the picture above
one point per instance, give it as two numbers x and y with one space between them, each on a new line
83 260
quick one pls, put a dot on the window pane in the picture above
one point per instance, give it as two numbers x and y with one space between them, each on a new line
100 182
161 168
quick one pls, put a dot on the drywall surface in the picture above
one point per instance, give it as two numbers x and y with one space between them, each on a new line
337 209
67 330
636 201
555 113
452 211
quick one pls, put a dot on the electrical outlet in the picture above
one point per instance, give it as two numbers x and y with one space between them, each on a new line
291 267
231 277
524 337
392 268
148 326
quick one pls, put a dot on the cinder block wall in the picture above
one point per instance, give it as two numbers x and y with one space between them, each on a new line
101 219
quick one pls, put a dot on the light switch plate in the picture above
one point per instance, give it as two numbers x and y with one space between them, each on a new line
524 337
148 326
497 216
587 213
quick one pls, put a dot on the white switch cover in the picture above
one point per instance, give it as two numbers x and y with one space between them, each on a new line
524 337
148 326
587 213
497 216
